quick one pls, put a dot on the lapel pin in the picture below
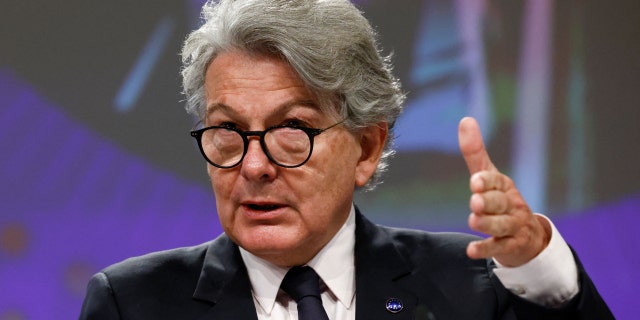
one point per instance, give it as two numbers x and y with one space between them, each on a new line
394 305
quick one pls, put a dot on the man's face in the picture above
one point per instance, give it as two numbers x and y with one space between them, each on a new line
284 215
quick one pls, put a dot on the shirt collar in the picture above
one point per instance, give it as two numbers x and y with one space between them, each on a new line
334 264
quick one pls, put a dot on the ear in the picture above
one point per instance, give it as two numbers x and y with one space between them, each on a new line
372 141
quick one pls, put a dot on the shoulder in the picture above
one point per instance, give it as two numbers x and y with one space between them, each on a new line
162 262
434 241
421 245
141 285
410 239
427 251
172 274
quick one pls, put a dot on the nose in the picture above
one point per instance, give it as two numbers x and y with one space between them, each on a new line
256 165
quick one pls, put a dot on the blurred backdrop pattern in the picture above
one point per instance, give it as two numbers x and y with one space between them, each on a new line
96 163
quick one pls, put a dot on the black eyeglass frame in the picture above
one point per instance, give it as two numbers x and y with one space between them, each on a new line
311 133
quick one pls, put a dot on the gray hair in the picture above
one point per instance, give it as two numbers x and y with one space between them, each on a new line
329 43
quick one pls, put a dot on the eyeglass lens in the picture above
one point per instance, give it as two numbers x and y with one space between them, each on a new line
286 146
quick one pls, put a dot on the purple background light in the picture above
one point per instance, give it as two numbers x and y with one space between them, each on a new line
76 203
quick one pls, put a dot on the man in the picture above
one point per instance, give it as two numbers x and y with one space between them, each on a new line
297 111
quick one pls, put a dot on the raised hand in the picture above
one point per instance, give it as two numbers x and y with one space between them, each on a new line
516 235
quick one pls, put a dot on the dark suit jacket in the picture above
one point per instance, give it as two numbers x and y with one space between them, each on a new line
429 272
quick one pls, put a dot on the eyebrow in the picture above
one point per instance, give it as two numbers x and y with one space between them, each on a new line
280 109
219 106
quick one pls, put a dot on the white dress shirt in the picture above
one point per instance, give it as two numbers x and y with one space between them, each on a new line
336 267
555 270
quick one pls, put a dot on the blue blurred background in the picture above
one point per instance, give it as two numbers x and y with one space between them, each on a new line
96 163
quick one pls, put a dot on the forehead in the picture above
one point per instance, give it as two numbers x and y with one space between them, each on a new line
261 84
240 65
239 75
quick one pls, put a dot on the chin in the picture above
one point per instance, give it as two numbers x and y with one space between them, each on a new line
269 246
277 250
266 238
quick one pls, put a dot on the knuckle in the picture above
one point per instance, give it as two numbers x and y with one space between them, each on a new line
508 182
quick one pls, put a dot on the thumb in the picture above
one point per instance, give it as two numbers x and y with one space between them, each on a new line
472 146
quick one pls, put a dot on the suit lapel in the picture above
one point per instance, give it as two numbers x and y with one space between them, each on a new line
383 272
224 283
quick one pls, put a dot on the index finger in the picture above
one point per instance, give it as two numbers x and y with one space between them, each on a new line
472 146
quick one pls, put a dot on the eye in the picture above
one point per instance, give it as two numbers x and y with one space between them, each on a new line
296 123
227 125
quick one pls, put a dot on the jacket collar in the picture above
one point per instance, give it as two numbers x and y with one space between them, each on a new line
224 283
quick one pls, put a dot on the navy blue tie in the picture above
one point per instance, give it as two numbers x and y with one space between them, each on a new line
303 285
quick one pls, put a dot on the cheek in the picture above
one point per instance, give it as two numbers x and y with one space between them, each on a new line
333 171
342 157
222 189
219 178
222 184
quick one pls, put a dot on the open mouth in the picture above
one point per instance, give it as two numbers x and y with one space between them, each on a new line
263 207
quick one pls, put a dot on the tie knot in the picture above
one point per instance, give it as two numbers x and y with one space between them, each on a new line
301 282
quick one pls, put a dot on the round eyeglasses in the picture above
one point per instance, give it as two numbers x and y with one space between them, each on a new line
287 145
